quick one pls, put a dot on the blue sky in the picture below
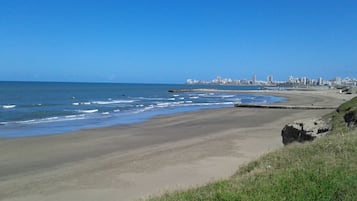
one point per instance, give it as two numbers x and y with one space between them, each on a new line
169 41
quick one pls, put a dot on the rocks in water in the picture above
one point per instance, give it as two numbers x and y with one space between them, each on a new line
304 130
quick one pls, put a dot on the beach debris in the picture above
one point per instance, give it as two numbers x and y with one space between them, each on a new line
304 130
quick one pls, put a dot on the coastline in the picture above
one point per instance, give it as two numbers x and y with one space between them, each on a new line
165 153
75 106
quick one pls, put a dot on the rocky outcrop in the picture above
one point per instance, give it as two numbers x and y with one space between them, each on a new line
351 118
352 90
304 130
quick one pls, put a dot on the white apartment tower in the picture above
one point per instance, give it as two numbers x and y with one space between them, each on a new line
321 81
254 79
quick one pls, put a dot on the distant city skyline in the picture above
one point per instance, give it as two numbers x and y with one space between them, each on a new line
163 41
291 80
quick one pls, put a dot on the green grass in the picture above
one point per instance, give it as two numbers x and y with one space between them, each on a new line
325 169
337 118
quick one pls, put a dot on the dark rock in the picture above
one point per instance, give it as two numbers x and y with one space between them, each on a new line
351 118
352 90
304 130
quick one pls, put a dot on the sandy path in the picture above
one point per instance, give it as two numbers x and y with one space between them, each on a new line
165 153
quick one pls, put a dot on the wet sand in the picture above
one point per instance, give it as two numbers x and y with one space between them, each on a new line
135 161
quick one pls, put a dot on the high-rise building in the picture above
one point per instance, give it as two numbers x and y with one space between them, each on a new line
254 81
219 79
321 81
304 80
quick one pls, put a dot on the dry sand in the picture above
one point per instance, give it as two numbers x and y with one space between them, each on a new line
135 161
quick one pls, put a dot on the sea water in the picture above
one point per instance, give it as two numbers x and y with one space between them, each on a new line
44 108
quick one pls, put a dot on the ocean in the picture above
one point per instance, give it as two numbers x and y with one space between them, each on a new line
46 108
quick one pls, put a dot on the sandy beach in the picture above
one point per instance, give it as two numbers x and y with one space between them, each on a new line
135 161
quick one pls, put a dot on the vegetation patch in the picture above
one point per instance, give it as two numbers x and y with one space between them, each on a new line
344 118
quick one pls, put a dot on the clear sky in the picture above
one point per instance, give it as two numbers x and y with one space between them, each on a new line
169 41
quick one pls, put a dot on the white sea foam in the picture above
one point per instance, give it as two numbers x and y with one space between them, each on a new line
112 102
194 97
171 99
190 103
82 103
234 99
227 96
45 120
163 104
74 117
8 106
105 113
31 121
167 104
88 111
150 107
52 118
117 110
208 104
153 99
70 116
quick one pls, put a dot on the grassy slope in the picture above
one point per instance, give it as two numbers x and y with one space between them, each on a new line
337 120
325 169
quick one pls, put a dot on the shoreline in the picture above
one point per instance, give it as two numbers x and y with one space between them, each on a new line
167 152
97 118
